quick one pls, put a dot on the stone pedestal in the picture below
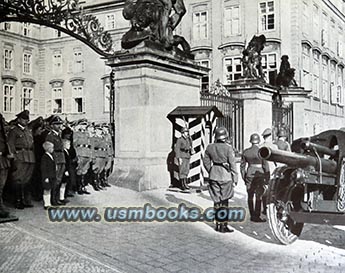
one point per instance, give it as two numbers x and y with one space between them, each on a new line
149 83
257 105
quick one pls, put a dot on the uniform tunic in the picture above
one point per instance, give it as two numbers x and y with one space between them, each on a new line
183 148
21 144
221 177
84 149
283 145
100 153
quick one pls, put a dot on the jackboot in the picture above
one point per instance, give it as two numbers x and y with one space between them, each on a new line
186 183
224 228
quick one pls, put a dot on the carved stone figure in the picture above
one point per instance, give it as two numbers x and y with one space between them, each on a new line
286 74
251 59
154 20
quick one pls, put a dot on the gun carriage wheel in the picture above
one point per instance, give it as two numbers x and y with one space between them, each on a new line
283 197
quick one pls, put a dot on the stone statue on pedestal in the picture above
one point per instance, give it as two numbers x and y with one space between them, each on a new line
286 74
154 20
251 59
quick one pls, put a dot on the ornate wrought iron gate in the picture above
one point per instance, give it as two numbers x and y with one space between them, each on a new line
282 118
231 108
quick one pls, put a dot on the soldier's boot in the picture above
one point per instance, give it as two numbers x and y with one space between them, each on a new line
19 197
104 178
83 185
216 207
264 205
182 186
94 182
186 184
27 196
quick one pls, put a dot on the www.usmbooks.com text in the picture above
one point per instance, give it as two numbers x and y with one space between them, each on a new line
147 213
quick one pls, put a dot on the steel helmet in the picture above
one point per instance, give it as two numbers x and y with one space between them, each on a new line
254 138
221 133
184 129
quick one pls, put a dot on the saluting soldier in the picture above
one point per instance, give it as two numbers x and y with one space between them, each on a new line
183 152
83 147
54 136
21 144
255 173
281 142
4 165
219 161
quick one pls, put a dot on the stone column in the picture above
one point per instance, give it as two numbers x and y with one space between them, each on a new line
149 83
257 106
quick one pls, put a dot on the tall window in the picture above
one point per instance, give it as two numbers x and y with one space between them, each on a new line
8 90
57 62
57 100
306 18
232 69
325 87
110 21
77 99
306 77
232 21
316 74
333 33
316 23
106 97
340 43
340 85
266 15
324 31
78 61
27 63
27 99
8 59
205 80
26 29
200 25
269 66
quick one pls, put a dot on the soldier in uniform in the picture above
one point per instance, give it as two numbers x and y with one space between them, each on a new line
21 144
54 136
219 161
255 173
83 146
4 165
183 152
110 154
281 142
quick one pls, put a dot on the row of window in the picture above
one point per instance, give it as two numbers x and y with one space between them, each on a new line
25 28
77 65
54 106
232 20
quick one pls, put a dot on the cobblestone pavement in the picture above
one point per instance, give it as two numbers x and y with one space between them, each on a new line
33 244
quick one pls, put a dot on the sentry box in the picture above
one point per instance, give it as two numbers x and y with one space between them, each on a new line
201 122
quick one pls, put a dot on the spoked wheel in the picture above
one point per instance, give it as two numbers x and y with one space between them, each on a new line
284 229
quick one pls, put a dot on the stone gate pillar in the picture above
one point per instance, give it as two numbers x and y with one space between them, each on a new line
257 105
149 83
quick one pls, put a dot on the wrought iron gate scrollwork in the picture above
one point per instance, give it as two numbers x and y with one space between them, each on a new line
65 15
231 108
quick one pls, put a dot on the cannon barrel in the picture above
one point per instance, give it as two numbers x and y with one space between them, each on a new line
297 160
307 145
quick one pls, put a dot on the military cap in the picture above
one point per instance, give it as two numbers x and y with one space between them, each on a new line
105 125
56 120
82 121
24 114
49 119
98 126
267 132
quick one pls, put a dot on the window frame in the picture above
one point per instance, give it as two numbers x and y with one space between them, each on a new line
231 20
199 25
266 15
229 77
10 96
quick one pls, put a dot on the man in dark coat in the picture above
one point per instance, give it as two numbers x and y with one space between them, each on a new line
183 152
4 165
255 173
21 144
219 161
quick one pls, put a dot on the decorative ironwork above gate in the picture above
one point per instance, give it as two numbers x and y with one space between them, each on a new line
67 16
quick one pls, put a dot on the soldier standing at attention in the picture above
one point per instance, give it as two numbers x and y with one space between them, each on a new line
110 154
183 152
219 161
82 145
281 142
254 172
54 136
21 144
4 165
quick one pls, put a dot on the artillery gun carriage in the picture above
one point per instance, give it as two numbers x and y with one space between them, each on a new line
309 188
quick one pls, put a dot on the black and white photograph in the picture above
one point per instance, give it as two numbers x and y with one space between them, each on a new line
172 136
